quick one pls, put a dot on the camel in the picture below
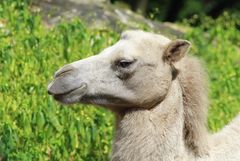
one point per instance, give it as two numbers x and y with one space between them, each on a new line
159 96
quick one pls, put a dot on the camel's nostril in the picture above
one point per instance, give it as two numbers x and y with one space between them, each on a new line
64 70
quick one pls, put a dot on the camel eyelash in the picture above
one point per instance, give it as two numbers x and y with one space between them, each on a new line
124 63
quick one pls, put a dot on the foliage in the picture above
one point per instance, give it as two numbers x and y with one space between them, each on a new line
34 127
175 10
217 42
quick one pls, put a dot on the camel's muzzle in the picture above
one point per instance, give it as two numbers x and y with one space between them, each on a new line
67 86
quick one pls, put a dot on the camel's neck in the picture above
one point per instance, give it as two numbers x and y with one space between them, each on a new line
152 135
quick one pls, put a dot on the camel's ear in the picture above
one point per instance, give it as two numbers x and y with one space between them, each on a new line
176 50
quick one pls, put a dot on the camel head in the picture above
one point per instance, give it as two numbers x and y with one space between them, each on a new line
136 72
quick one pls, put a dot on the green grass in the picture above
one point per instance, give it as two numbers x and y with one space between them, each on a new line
217 42
34 127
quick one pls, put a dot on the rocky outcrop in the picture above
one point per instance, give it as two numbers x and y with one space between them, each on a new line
100 14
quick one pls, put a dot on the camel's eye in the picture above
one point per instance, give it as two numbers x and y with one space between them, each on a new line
124 63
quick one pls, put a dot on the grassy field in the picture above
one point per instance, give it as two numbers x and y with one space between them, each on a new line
34 127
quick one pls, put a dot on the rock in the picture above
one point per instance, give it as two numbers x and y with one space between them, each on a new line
100 14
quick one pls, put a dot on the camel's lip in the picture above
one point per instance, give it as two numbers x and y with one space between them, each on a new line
73 91
63 85
77 93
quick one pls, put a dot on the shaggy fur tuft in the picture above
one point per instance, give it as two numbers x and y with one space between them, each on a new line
193 80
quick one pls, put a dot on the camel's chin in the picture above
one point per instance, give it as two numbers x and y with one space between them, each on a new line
107 101
64 99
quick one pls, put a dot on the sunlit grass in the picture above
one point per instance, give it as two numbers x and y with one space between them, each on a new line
217 42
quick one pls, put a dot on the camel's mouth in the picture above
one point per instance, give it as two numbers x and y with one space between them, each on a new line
70 96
